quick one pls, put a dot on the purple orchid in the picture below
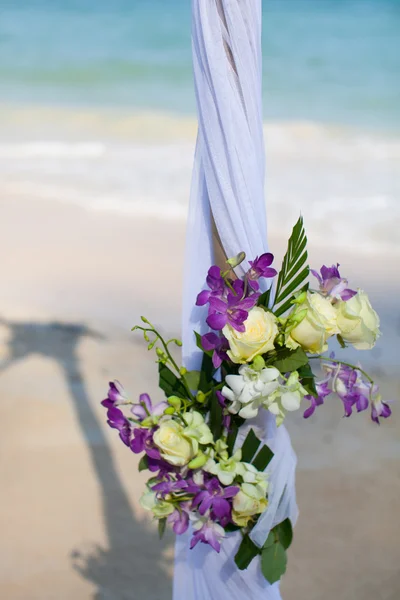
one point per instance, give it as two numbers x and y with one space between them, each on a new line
214 498
219 345
142 441
227 417
332 284
260 267
322 392
233 311
117 420
179 520
209 533
378 407
146 409
175 487
216 284
116 395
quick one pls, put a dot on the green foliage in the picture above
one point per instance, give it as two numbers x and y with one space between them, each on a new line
143 463
247 551
215 417
232 435
192 378
285 533
263 458
307 378
273 561
263 300
287 360
162 523
170 383
293 272
250 446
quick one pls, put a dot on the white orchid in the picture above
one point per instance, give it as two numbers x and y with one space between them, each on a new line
226 468
286 397
249 389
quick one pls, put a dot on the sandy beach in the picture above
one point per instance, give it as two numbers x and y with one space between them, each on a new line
74 282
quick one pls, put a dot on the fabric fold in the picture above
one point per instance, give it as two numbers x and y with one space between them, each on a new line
228 185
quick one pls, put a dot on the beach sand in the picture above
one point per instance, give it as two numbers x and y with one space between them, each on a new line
74 283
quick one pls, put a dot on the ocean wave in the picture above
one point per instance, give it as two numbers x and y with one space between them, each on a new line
344 181
45 149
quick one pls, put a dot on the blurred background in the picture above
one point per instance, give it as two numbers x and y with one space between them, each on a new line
97 132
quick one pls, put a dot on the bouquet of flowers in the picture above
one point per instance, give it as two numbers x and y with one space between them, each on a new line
258 356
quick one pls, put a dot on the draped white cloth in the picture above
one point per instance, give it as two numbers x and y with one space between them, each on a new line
228 181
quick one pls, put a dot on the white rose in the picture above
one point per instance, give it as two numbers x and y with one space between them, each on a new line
175 447
249 501
318 325
258 337
357 321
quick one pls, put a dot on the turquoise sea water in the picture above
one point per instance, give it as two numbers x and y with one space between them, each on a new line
97 109
331 61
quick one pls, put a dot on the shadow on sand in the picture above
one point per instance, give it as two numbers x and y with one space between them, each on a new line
113 570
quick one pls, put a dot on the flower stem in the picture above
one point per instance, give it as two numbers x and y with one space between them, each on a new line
346 364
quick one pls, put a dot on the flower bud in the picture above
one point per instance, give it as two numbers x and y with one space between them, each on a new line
298 317
258 363
169 411
183 371
200 397
300 299
236 260
175 402
198 462
144 319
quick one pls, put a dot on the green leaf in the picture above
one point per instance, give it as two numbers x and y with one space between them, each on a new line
169 382
271 539
247 551
289 303
263 300
285 533
143 463
263 458
292 273
162 523
215 417
231 527
250 446
273 562
288 360
232 435
206 374
307 378
193 379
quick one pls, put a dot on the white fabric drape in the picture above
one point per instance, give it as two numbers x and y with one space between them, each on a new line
228 181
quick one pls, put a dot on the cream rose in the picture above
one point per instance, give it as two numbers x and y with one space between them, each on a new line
175 447
258 337
249 501
318 325
357 321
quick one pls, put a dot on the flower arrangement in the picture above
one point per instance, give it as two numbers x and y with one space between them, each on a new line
258 356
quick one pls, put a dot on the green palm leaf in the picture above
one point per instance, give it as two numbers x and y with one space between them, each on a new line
294 270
